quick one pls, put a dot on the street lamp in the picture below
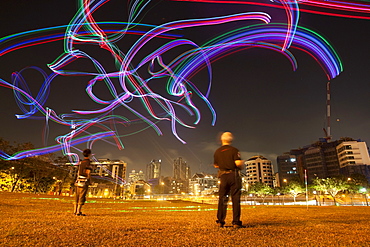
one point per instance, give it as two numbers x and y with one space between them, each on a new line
305 182
13 178
162 184
285 181
363 191
315 193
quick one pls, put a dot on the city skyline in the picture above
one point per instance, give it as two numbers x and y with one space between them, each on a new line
269 108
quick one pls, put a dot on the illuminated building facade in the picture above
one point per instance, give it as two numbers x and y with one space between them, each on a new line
259 170
134 176
324 159
110 168
174 186
354 158
108 178
139 189
203 184
318 159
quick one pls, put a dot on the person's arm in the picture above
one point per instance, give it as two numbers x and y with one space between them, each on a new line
238 161
88 168
88 171
215 165
239 164
88 175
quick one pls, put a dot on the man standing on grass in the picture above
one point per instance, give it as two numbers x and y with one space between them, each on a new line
84 170
227 160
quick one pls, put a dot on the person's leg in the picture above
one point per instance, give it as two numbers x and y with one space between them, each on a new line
235 197
82 199
77 199
223 199
79 207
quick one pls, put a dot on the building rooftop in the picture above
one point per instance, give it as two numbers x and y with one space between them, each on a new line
257 157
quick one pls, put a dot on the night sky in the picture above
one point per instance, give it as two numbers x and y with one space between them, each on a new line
257 96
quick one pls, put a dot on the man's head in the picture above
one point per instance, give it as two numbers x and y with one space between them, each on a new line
227 138
86 152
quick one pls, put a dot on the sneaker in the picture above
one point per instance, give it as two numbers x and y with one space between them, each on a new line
239 226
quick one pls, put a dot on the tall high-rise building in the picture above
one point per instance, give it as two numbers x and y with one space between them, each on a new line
321 160
288 167
153 170
181 170
318 159
181 176
259 170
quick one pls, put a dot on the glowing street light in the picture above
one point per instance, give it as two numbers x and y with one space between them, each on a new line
285 181
363 191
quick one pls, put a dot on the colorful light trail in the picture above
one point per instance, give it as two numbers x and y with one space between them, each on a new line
128 84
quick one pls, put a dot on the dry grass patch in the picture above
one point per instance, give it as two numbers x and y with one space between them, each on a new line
39 220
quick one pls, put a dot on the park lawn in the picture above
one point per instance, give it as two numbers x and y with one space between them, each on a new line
40 220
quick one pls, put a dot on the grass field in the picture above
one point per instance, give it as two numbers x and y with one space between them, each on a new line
39 220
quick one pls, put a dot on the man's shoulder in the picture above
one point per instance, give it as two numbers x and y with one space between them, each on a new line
86 163
229 147
225 148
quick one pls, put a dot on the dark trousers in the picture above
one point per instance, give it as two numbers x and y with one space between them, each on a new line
230 183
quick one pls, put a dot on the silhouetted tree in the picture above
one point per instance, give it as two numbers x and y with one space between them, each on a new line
32 173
